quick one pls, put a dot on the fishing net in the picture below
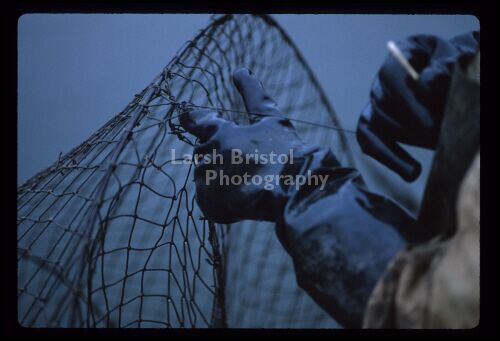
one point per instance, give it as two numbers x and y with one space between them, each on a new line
110 235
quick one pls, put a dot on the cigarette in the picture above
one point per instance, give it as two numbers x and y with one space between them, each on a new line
402 60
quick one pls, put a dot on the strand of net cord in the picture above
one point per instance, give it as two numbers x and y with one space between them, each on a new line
189 106
390 45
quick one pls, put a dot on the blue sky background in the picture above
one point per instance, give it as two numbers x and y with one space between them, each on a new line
76 71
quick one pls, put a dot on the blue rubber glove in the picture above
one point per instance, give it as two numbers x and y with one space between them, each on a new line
268 132
408 111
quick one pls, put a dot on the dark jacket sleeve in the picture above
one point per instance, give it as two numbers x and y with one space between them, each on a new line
341 237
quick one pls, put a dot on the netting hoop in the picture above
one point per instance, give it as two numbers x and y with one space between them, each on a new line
110 234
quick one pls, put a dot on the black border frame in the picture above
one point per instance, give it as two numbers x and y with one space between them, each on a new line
488 17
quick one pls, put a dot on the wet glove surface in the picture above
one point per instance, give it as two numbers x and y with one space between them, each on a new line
408 111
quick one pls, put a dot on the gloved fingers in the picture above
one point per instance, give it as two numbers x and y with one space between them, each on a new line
388 152
398 112
202 123
254 95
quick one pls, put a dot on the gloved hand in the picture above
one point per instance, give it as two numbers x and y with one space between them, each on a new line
408 111
268 132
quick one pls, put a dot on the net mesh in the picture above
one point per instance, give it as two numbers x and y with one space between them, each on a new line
111 236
